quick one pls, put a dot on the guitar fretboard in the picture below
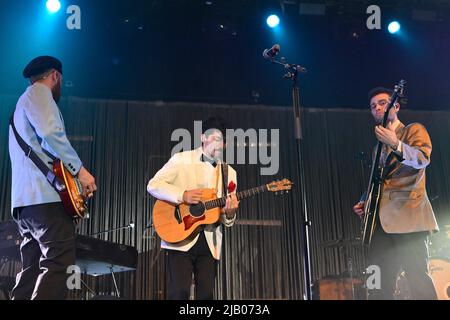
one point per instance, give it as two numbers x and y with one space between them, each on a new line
220 202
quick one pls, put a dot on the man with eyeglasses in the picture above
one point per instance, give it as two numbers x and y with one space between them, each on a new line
48 246
406 217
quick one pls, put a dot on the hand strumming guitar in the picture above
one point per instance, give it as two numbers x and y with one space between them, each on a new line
87 182
192 196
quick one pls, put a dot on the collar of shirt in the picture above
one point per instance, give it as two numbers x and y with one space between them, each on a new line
205 158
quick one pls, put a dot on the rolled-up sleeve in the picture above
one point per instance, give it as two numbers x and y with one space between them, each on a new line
417 152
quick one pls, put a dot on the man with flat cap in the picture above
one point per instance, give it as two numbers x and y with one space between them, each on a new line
48 246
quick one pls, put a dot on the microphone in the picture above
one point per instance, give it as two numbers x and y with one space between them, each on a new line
272 52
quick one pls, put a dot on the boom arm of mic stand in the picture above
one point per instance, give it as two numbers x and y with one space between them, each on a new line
112 230
290 67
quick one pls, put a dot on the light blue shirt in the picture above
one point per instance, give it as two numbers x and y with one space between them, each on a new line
39 122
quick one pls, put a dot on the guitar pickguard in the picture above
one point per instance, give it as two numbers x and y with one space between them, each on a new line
190 220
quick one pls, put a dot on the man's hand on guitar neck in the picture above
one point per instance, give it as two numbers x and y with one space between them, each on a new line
231 206
359 209
87 182
192 196
387 136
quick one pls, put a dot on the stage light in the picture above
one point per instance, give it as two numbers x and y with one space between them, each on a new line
273 21
394 27
53 6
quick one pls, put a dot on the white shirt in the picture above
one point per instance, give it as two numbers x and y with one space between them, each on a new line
185 171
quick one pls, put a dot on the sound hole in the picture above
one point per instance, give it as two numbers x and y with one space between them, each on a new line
197 210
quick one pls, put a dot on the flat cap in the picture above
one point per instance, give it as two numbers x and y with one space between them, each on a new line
41 64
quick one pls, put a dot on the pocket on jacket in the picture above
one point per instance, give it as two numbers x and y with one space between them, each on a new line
405 195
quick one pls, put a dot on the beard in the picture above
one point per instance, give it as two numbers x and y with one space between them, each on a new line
56 92
378 120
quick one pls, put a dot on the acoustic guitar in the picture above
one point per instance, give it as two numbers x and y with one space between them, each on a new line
174 223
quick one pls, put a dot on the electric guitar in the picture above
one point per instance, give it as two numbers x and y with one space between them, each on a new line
371 206
70 191
68 187
174 223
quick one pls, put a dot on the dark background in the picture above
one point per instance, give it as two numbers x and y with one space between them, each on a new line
129 54
187 50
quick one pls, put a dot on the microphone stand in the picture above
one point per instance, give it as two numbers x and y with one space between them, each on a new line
292 71
128 226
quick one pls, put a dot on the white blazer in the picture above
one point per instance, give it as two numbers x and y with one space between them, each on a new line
185 171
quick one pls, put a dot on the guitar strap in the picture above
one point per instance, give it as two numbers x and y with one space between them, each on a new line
224 168
51 177
218 177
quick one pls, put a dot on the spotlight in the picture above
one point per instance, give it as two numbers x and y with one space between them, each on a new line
394 27
53 6
273 21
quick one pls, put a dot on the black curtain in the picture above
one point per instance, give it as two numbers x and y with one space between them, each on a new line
124 143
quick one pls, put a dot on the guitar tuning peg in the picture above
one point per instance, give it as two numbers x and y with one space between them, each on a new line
276 193
287 191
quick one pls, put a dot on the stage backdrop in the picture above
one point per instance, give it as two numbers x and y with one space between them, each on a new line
124 143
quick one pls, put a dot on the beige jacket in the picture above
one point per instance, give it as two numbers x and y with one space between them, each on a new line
404 205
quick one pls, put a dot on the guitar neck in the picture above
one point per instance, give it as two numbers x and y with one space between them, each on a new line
376 160
220 202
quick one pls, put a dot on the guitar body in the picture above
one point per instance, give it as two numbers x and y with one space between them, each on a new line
72 193
175 223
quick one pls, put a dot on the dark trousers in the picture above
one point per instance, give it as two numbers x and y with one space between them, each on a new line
198 261
47 249
396 252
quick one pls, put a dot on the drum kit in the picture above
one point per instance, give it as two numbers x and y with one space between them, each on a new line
348 285
439 270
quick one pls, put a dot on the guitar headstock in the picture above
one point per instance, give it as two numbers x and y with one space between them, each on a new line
400 87
280 186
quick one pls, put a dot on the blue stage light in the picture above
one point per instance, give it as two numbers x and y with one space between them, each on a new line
394 27
273 21
53 6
